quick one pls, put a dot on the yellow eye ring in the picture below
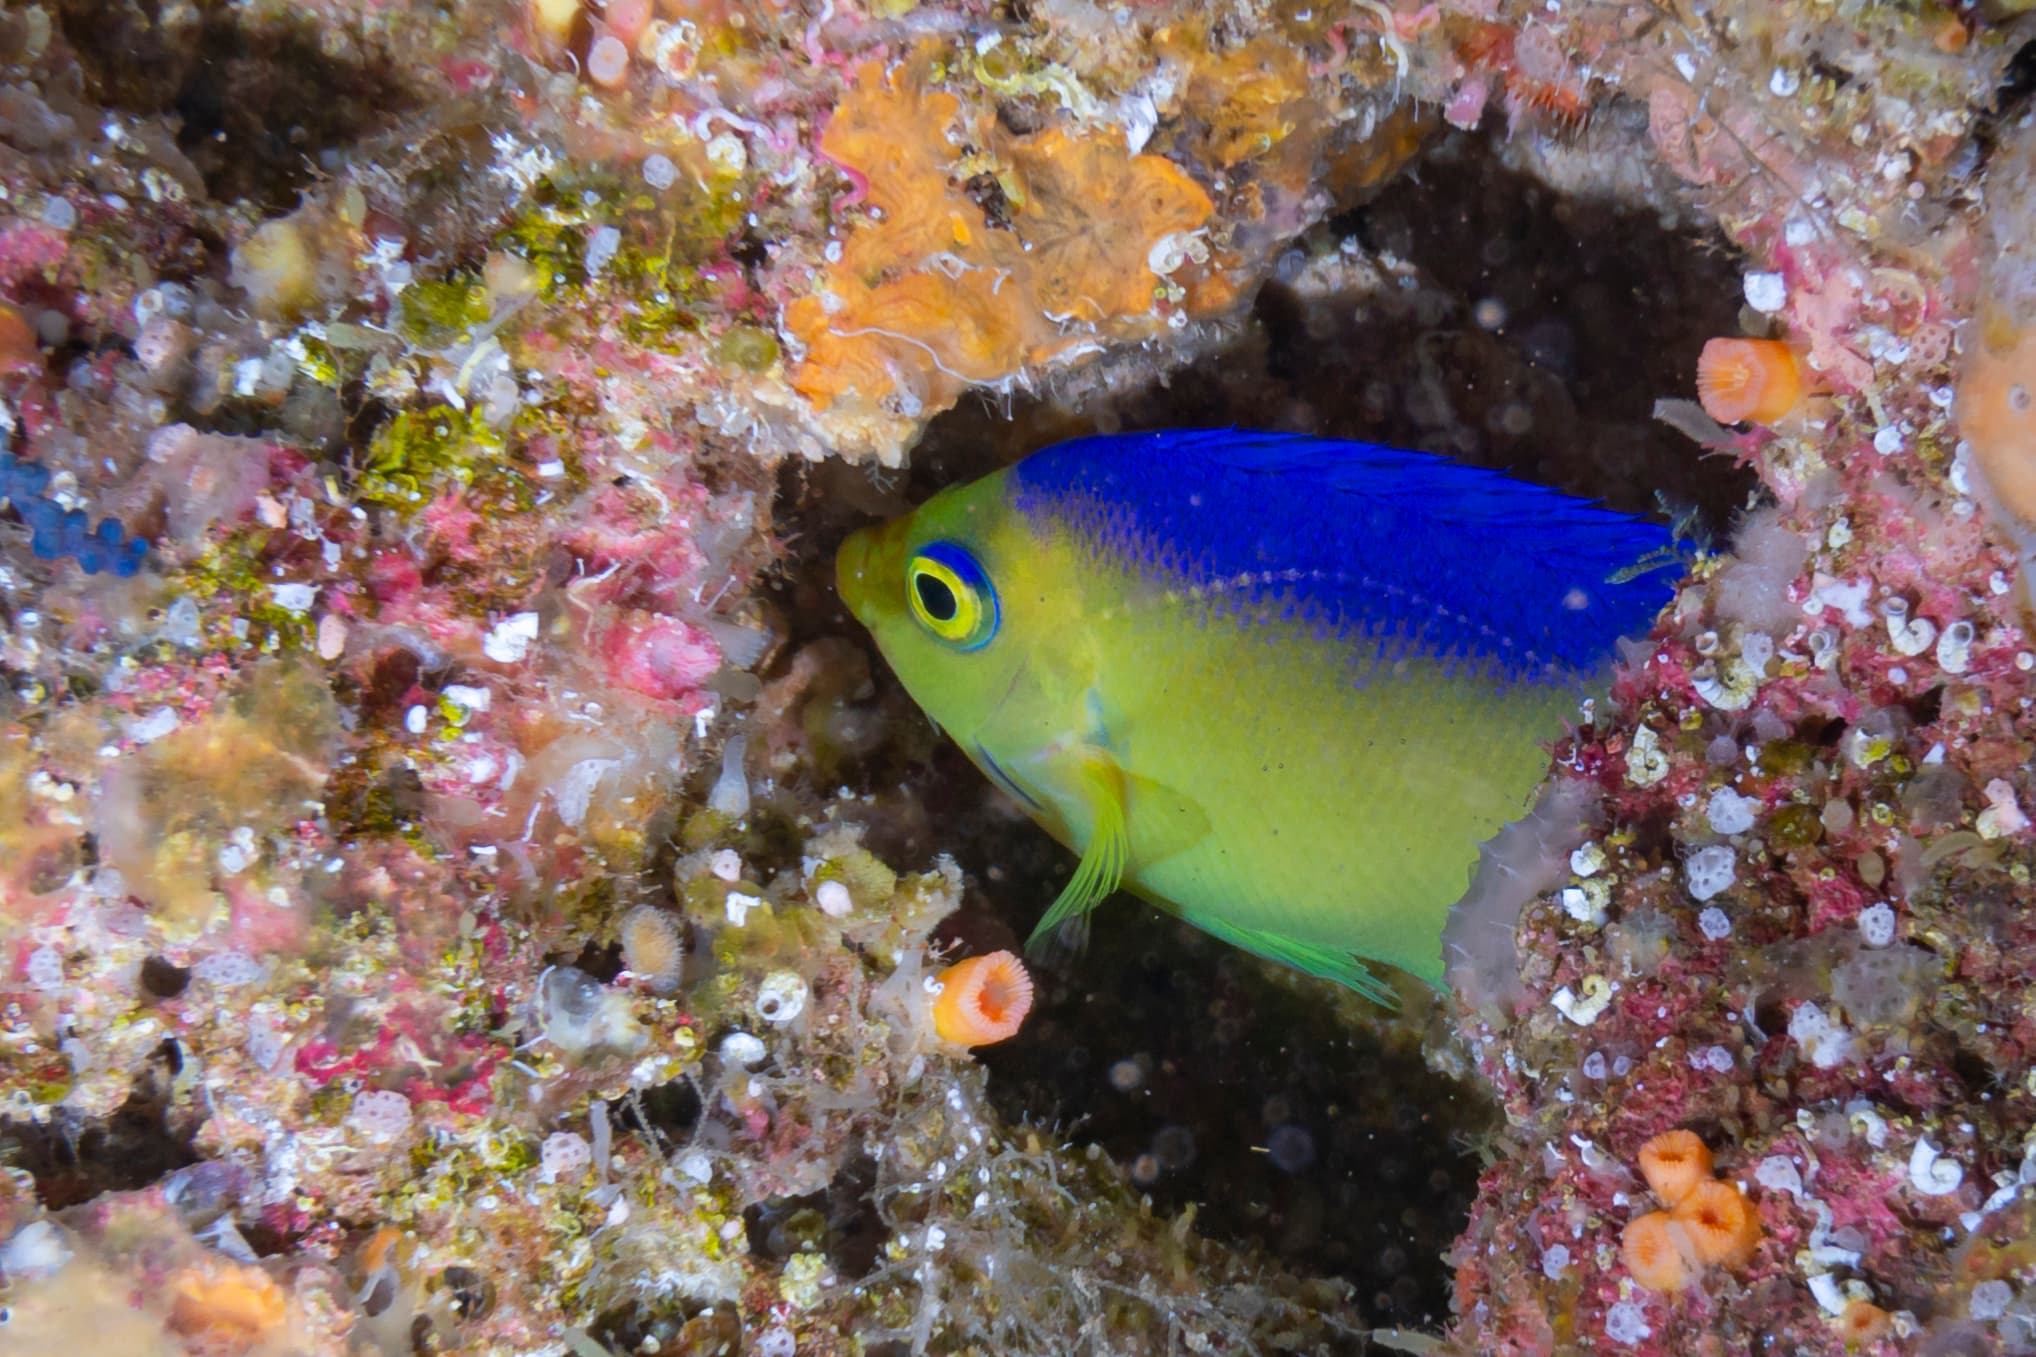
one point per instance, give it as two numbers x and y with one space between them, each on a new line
951 596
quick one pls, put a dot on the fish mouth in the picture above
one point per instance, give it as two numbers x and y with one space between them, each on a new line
865 568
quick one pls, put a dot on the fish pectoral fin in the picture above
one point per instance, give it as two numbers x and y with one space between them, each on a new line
1161 821
1099 782
1316 958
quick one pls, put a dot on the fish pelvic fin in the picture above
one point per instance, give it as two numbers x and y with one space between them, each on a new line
1317 959
1100 782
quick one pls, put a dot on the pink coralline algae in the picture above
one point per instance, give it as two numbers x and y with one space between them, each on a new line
1788 922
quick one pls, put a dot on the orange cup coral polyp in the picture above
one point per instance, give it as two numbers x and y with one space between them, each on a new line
1674 1163
982 999
1657 1251
1708 1223
1756 379
1723 1227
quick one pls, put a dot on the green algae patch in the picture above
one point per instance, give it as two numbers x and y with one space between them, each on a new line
421 451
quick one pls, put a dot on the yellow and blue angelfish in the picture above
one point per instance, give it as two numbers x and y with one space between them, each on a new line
1280 686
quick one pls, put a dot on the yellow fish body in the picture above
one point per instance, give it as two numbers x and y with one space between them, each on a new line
1279 686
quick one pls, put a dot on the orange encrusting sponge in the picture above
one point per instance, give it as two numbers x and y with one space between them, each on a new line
1756 379
982 999
1997 410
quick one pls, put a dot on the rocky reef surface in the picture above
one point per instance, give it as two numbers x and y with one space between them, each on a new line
465 887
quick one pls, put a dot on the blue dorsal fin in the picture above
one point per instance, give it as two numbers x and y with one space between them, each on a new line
1462 563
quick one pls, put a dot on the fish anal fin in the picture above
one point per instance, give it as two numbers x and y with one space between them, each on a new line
1317 959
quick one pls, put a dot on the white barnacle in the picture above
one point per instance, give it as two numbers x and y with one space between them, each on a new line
1909 635
781 997
1584 1008
1646 761
1931 1173
1954 647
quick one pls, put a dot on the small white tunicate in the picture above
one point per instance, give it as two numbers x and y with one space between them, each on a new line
227 969
1824 1042
1783 83
738 907
726 864
1877 925
1933 1174
1756 648
601 249
1990 1299
730 793
1731 813
659 171
1626 1322
416 719
1714 924
834 900
1555 1262
46 968
1766 293
781 997
1887 441
698 1167
2003 815
742 1050
1587 860
468 698
264 1043
162 721
509 640
1594 1065
294 598
58 214
565 1156
380 1114
38 1249
1710 871
1778 1173
776 1341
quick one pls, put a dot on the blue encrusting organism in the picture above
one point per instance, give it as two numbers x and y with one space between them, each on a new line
57 532
1280 686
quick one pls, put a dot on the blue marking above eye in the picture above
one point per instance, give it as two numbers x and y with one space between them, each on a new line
951 595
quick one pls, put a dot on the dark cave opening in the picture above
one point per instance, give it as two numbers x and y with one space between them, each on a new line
1475 312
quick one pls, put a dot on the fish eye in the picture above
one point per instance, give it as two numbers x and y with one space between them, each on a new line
951 596
936 600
